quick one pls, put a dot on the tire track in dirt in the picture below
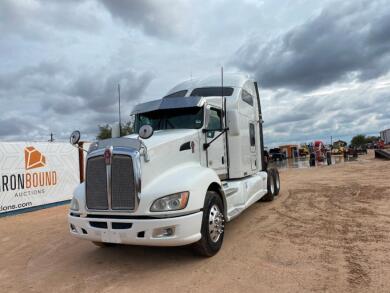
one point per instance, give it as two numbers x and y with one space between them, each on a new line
335 221
328 231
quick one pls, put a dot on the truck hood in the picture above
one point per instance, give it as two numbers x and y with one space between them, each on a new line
163 137
165 154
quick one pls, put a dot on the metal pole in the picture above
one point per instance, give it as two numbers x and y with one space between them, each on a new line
119 97
222 100
225 126
263 163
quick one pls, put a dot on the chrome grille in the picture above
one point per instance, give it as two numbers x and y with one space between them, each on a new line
96 184
117 191
123 187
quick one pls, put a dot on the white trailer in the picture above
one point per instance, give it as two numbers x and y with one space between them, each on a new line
385 136
196 163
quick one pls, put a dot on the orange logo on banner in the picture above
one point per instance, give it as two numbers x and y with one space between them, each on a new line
33 158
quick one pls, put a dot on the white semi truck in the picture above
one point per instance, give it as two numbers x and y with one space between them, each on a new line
195 162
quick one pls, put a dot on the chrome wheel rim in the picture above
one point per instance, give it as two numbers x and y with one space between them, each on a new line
277 181
216 223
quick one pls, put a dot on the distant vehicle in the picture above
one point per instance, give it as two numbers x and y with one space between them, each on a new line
380 144
361 150
338 147
304 150
320 150
350 152
338 150
277 154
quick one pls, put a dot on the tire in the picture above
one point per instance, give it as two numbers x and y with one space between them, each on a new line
213 218
312 160
276 181
103 244
270 187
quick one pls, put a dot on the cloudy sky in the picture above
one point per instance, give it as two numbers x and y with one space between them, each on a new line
323 66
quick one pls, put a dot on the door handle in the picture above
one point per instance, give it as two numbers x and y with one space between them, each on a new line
223 160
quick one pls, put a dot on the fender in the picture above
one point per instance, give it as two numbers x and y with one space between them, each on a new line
186 177
79 194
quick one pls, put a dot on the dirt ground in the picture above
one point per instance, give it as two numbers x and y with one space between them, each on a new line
328 231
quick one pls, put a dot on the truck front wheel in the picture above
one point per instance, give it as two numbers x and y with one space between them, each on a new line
213 225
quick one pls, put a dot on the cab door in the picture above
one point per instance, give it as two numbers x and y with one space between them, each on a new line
216 150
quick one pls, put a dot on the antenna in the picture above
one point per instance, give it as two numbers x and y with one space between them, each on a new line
222 91
51 137
119 98
223 99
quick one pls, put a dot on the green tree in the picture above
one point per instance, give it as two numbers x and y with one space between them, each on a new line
358 140
127 128
104 132
371 139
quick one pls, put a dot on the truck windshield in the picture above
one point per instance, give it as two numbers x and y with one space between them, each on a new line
183 118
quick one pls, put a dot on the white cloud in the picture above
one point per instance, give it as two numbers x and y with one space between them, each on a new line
61 60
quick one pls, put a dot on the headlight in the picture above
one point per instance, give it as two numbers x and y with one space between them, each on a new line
173 202
74 204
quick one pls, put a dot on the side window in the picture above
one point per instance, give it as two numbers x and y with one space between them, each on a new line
246 97
215 119
252 135
214 122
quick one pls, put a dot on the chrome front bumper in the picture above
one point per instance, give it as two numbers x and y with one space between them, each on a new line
185 230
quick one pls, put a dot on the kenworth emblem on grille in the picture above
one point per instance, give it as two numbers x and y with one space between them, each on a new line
108 156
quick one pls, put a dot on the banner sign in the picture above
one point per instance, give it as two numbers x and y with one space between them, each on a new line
37 173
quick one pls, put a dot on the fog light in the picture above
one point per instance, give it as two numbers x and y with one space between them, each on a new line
73 228
164 232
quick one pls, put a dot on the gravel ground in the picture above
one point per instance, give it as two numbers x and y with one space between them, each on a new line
328 230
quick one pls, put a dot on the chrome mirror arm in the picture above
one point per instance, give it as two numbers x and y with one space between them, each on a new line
144 151
80 148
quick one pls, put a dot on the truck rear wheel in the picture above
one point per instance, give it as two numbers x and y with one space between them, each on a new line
270 187
213 225
276 180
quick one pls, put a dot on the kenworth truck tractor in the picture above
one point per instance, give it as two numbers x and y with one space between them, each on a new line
195 163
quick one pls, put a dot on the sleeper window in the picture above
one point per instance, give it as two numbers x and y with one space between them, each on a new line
247 97
252 135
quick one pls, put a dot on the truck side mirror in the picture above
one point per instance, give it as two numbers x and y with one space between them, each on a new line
74 137
233 121
145 131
